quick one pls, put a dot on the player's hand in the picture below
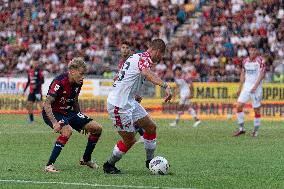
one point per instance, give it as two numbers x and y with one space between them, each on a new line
190 96
138 98
253 90
57 126
238 92
169 94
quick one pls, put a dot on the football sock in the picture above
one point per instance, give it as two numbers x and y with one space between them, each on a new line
118 151
241 117
256 122
150 144
178 117
92 141
192 112
31 117
59 144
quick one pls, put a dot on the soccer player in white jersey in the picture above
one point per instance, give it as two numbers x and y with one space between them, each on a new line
252 75
125 111
185 86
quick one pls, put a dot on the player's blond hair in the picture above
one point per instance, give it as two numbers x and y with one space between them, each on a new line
77 63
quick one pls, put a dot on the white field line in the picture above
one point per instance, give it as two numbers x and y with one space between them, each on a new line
85 184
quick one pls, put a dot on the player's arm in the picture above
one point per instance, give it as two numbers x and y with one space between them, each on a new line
76 106
153 78
48 110
27 84
191 90
50 98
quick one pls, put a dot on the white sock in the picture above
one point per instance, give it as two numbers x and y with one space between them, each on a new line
192 112
241 119
150 143
256 122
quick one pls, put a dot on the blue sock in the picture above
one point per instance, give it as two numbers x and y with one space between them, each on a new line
92 141
31 117
59 144
55 153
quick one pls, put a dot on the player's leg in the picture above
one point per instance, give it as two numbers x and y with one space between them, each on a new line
121 148
240 118
180 111
257 118
122 120
256 103
94 129
61 141
141 133
150 136
243 98
192 112
30 102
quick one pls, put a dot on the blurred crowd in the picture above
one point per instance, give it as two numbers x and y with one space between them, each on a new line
210 41
212 46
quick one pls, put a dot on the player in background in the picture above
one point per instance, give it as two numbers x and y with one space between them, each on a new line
252 75
185 86
35 81
125 52
61 111
125 111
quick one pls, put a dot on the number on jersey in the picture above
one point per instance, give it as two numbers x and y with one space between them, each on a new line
123 70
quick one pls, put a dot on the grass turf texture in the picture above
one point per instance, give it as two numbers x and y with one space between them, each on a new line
204 157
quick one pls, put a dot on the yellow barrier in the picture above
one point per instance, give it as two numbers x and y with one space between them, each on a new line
211 101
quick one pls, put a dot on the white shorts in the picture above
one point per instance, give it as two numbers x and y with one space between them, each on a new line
254 97
184 100
124 118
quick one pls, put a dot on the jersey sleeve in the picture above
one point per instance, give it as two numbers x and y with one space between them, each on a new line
55 88
143 63
261 62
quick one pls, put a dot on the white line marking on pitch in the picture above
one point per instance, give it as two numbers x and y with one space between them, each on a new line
86 184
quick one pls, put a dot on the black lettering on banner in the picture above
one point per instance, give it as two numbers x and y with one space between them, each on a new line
200 92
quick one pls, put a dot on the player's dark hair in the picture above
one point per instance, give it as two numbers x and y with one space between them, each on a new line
158 44
77 63
126 43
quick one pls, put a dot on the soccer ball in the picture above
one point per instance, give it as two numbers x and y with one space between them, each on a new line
159 166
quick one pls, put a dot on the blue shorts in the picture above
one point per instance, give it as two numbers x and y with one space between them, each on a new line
76 120
33 97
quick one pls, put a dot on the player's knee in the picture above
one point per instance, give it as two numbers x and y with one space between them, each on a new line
239 108
129 143
257 111
95 128
67 131
151 129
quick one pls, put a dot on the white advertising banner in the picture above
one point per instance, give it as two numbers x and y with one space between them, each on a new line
91 87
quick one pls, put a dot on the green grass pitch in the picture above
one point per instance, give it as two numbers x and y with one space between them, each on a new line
203 157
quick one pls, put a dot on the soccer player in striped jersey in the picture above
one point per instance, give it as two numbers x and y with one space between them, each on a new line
61 111
250 88
125 111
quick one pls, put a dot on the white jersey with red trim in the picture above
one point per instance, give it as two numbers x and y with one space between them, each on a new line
252 69
130 79
183 85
